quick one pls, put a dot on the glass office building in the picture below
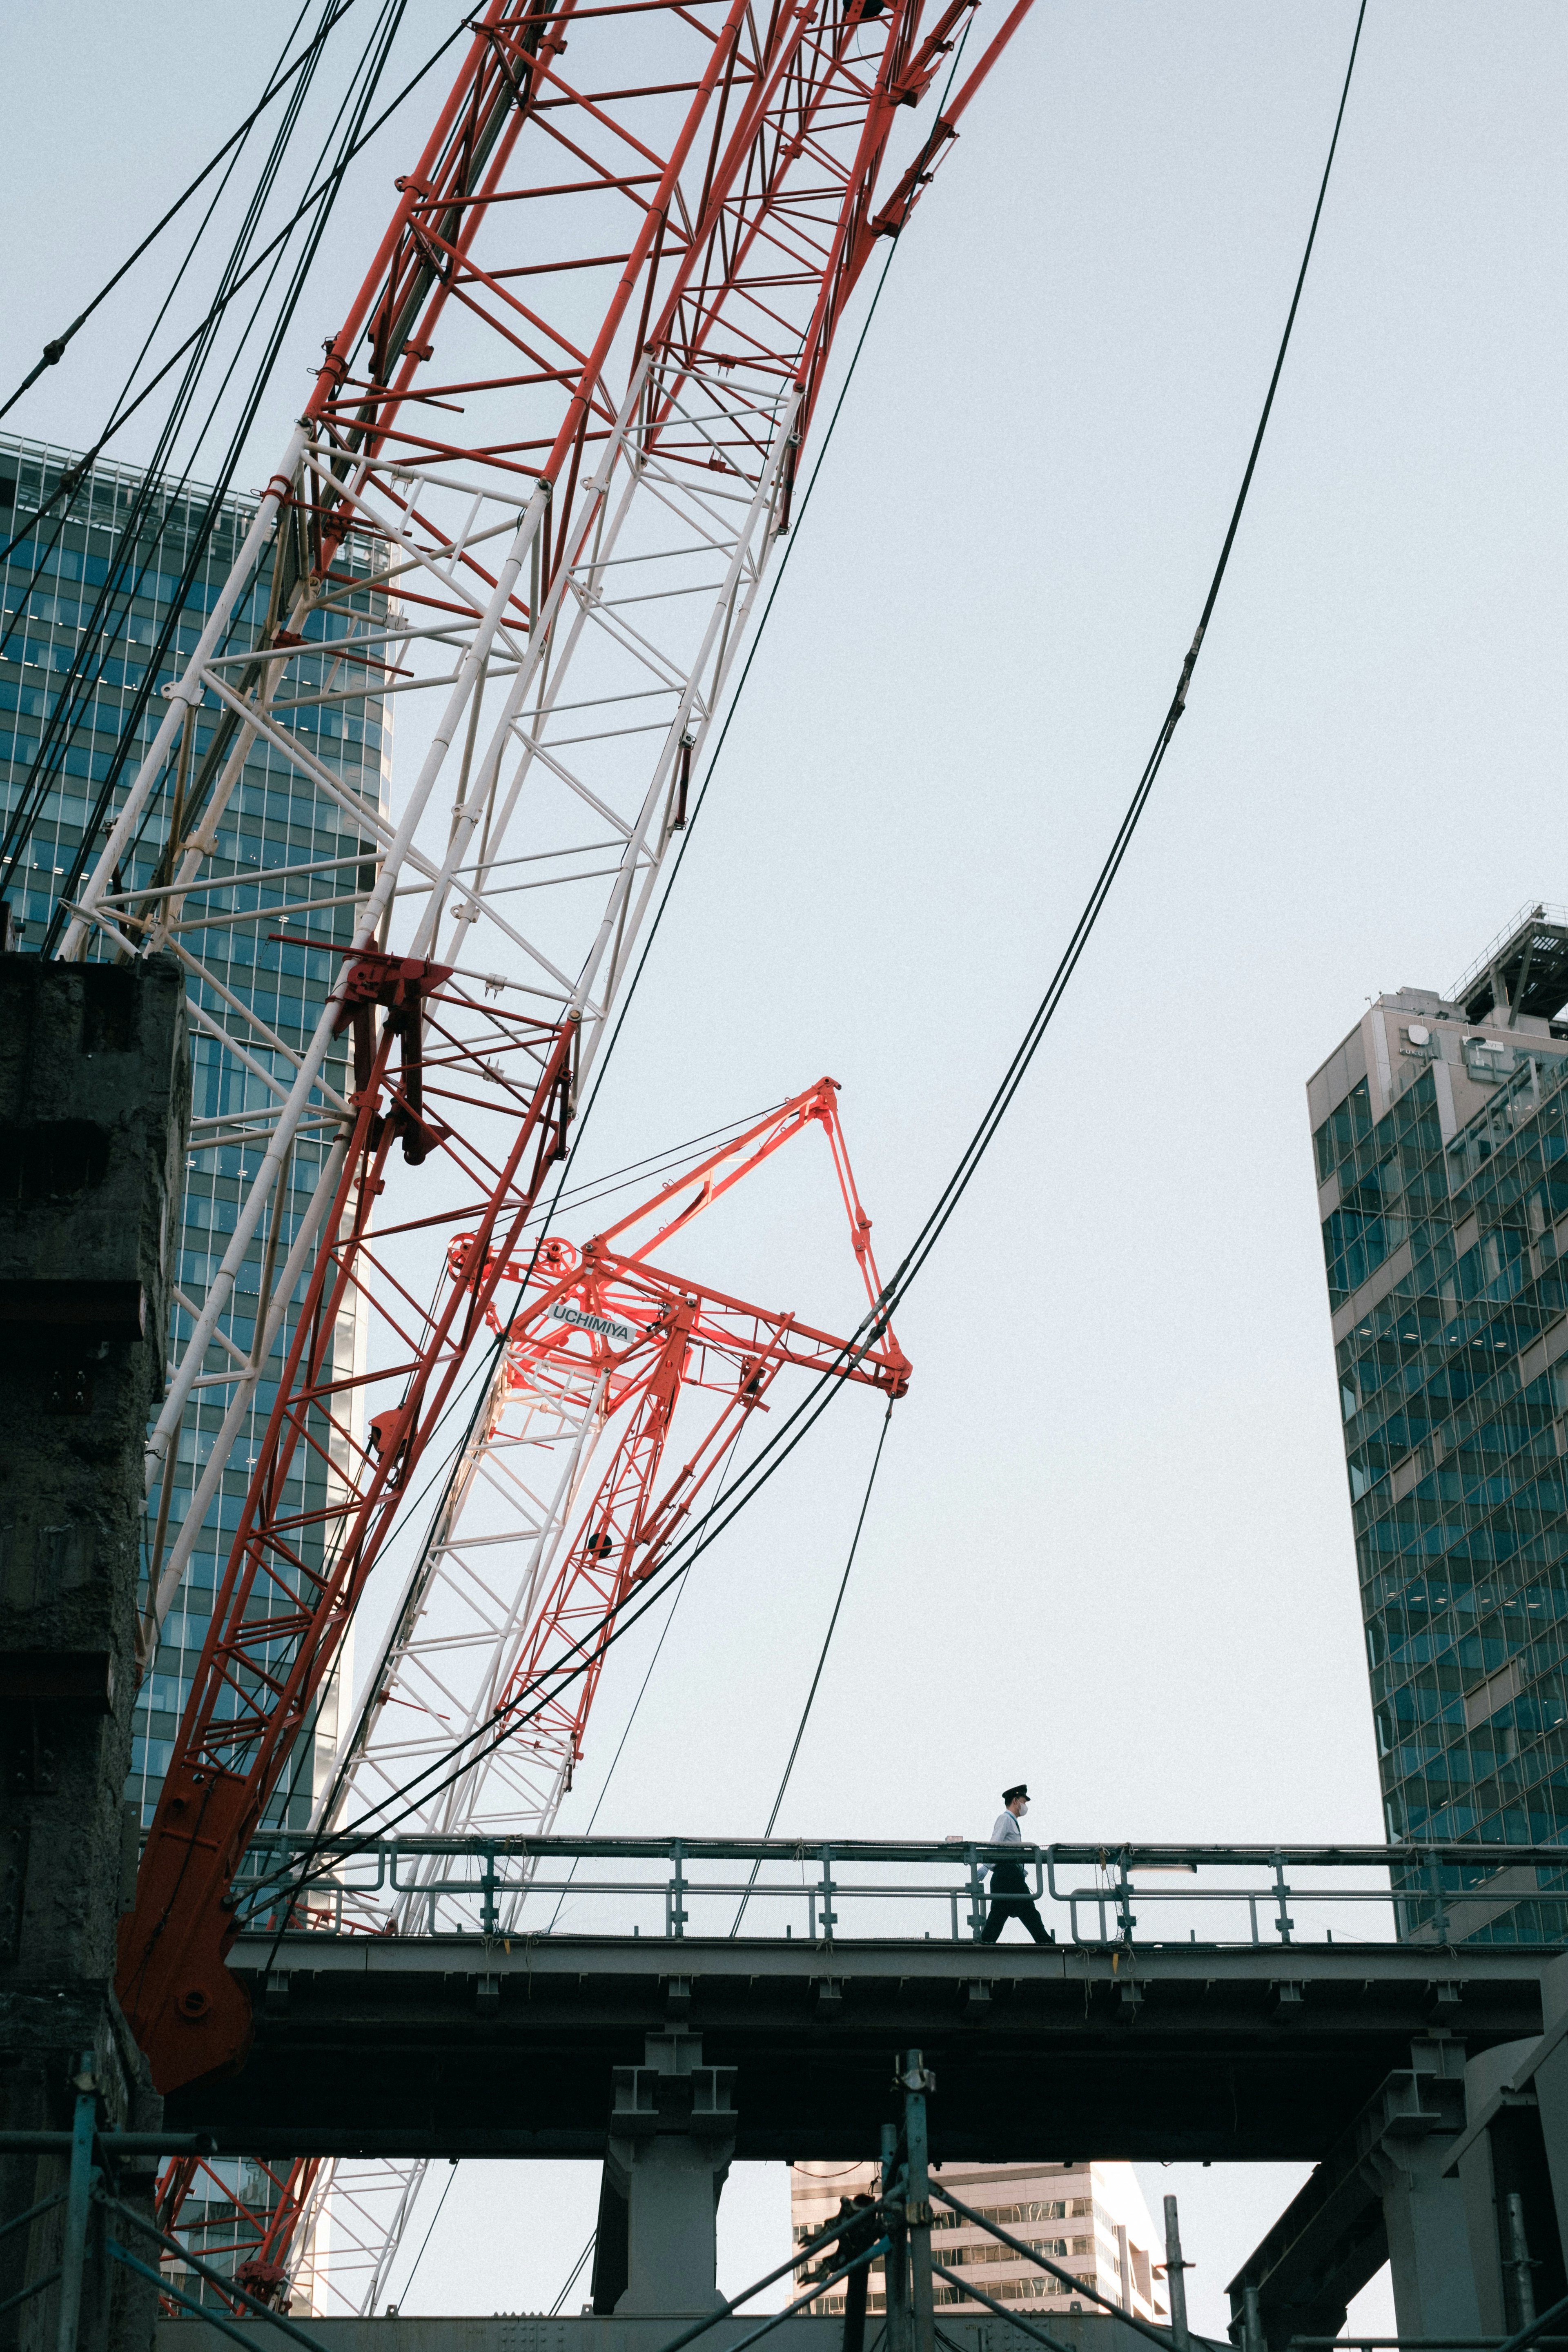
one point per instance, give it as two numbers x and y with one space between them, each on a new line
1090 2218
1440 1131
106 581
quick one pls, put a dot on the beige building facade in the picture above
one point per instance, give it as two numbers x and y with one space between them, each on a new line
1090 2218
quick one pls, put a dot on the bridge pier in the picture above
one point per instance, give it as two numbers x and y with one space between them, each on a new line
1430 2257
671 2139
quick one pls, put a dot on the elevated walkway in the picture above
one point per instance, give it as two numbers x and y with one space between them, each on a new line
470 2045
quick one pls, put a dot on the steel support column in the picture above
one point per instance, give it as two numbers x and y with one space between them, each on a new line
672 2134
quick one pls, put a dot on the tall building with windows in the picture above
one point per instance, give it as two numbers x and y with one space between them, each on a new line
1090 2218
1440 1133
94 588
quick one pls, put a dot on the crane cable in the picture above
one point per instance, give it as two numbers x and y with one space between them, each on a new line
56 737
55 349
325 190
803 1415
821 1661
134 551
374 65
548 1216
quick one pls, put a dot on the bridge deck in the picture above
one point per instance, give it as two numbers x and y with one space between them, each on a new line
460 2045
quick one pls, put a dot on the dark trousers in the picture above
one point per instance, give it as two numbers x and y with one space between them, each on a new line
1014 1906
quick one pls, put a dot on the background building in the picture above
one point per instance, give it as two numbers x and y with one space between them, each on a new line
1440 1129
1090 2217
94 593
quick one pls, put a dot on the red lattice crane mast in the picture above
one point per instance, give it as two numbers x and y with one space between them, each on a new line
632 1338
563 421
322 1496
640 1339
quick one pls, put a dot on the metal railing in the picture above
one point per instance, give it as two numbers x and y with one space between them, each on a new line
1534 910
1089 1896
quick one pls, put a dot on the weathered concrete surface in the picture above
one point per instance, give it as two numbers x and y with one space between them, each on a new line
520 2332
94 1105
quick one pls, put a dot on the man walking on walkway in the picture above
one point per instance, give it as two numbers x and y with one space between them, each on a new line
1009 1887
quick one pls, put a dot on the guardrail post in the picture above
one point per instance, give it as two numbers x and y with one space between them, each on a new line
1440 1914
1283 1897
1175 2284
829 1916
78 2205
976 1895
917 2080
675 1892
896 2266
1126 1920
489 1913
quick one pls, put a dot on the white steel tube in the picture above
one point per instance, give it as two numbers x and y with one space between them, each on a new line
184 698
540 638
294 1109
761 505
160 1603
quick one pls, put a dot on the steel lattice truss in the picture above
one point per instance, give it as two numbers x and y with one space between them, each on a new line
599 1337
634 269
557 439
481 1118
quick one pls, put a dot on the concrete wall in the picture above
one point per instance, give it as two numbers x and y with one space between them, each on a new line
94 1103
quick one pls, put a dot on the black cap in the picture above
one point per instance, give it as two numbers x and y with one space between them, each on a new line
1008 1794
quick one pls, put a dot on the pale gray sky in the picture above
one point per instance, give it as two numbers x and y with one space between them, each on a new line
1110 1549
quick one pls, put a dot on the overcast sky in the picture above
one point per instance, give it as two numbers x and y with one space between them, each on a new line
1111 1547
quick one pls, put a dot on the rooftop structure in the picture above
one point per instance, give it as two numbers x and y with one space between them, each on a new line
1524 970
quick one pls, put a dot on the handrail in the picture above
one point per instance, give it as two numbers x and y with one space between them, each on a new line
1105 1851
1097 1890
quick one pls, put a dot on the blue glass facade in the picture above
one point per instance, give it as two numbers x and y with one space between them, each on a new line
274 817
1442 1158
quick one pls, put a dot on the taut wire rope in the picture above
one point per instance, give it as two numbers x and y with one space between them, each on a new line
821 1661
805 1415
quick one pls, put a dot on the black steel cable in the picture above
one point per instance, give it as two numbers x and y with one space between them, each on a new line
429 2233
80 475
915 1257
326 190
806 1412
282 140
751 650
821 1661
372 65
375 66
980 1142
54 351
68 718
73 703
829 1382
642 1689
576 2273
